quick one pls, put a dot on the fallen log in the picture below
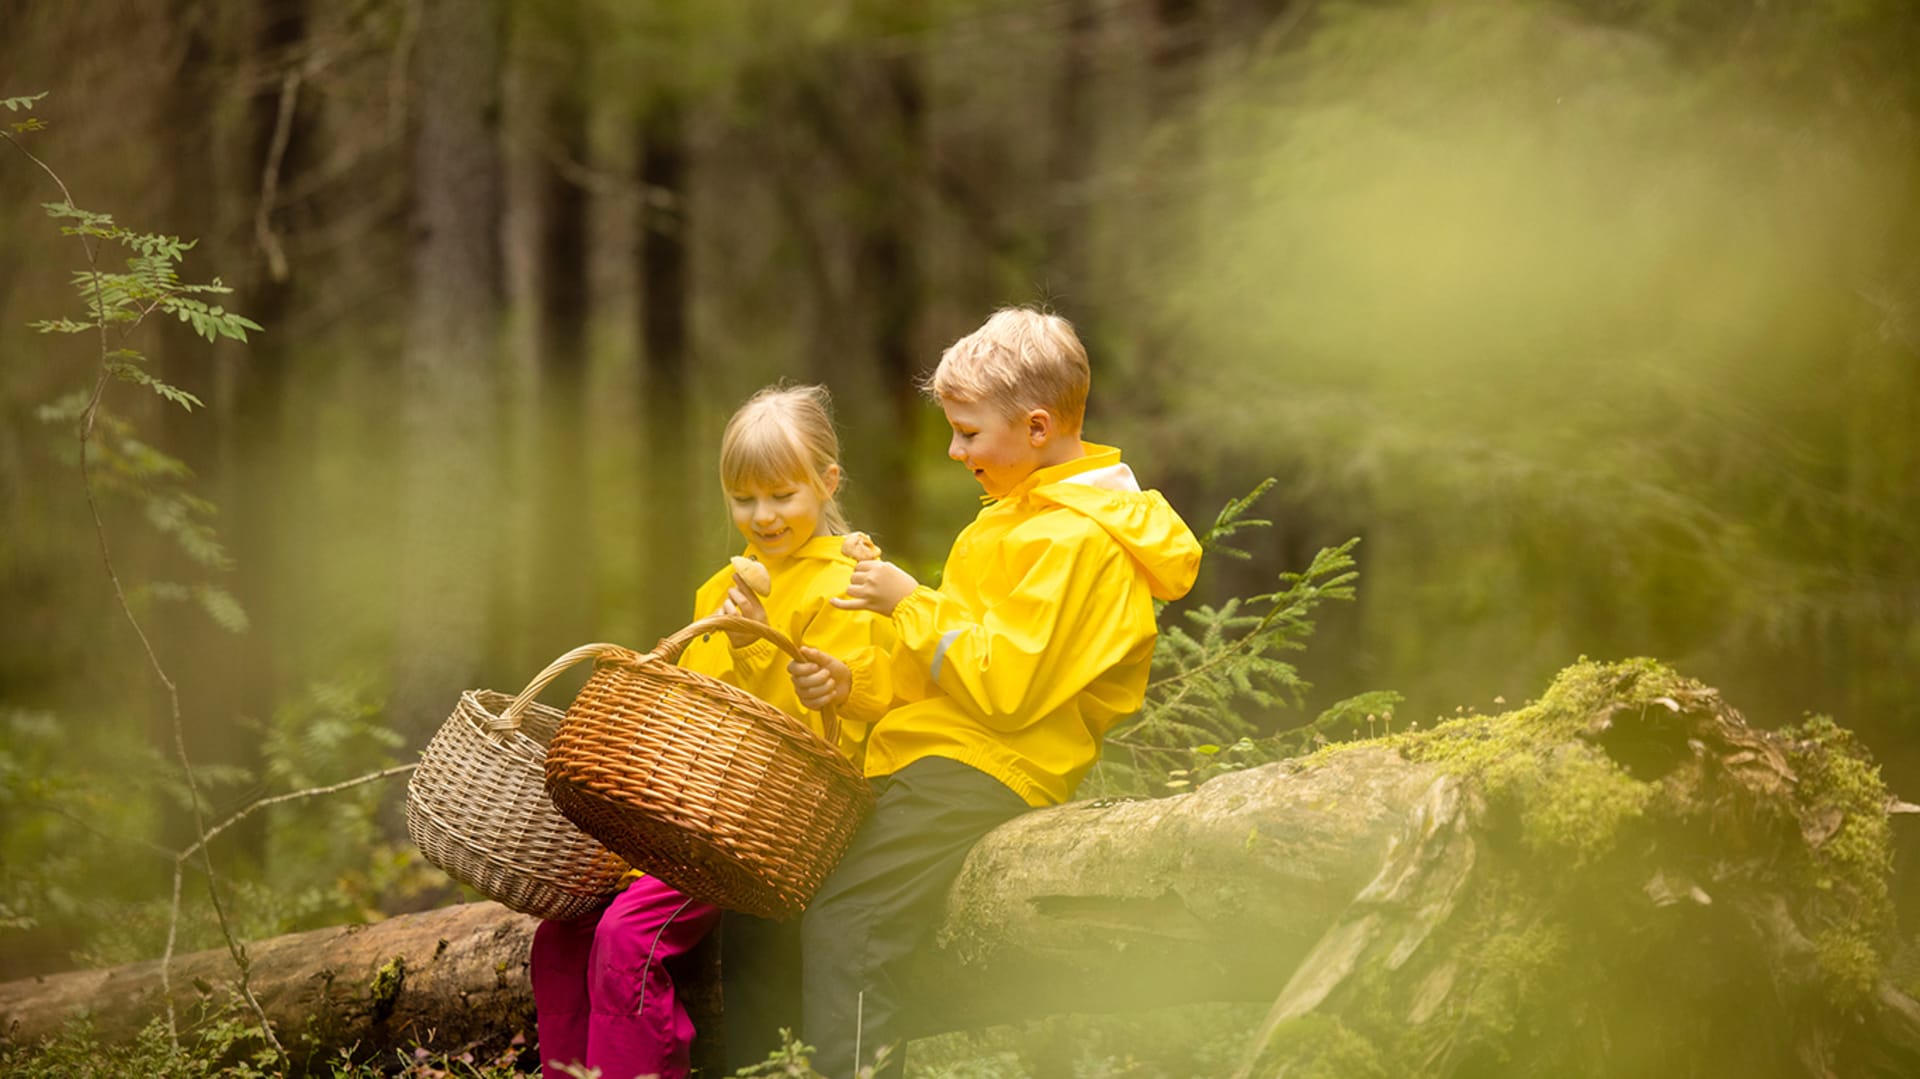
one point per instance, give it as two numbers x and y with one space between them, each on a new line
1623 878
446 977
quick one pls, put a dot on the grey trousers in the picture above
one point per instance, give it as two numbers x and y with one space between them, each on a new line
883 902
759 985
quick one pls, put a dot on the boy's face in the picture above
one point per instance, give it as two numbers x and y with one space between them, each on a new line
1000 452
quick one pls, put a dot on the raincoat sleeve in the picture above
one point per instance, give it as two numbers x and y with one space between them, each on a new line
861 640
713 654
1074 608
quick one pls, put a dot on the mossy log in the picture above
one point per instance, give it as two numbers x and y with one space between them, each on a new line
1622 878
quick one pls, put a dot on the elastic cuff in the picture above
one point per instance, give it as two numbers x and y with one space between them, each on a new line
759 652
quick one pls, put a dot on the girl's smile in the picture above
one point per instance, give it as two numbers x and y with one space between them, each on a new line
776 518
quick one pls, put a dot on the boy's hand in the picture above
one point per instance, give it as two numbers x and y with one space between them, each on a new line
877 587
742 602
819 679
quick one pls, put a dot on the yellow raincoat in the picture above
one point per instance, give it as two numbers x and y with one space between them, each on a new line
1041 632
797 606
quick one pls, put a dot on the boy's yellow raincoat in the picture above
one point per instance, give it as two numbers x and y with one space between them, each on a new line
1041 633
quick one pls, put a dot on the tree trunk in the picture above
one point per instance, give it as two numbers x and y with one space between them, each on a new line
1593 885
550 573
868 111
450 504
667 566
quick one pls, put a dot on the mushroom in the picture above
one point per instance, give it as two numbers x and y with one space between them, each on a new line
753 574
860 547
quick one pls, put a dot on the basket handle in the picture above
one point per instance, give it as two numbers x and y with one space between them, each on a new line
669 650
510 718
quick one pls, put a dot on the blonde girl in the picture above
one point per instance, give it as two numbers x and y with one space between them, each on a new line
603 995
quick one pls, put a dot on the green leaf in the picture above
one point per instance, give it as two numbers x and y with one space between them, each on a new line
64 410
17 104
126 372
60 325
223 608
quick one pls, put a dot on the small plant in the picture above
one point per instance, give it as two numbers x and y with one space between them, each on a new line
793 1060
1215 675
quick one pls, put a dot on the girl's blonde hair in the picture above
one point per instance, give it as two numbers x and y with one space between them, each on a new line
784 434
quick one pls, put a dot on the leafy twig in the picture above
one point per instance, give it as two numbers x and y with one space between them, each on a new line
86 232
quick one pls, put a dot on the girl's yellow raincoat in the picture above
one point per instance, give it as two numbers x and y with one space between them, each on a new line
797 606
1041 633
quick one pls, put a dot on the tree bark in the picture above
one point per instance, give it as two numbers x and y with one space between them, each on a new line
450 504
1399 909
446 978
664 164
550 572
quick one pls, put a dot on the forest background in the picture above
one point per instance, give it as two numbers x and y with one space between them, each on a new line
1598 321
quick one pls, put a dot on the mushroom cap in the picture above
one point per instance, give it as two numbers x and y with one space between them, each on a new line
754 574
860 547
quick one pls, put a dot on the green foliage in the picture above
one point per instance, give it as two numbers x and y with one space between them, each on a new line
793 1060
1495 282
65 787
216 1043
1322 1047
24 104
219 1042
116 304
1216 677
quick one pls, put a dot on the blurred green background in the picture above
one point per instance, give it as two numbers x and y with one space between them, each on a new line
1598 321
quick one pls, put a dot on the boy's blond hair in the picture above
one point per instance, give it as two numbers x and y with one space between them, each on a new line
1019 359
784 434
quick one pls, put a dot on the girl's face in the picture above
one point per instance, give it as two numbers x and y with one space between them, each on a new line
777 518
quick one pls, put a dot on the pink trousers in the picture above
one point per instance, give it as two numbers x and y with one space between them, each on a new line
601 994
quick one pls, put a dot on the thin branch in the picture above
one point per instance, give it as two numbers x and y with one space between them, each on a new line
270 178
84 435
399 769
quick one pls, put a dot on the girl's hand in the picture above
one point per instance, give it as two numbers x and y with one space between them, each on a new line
877 587
819 679
742 602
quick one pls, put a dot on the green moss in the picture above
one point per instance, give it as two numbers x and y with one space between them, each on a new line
1849 858
1849 965
1559 925
384 990
1322 1047
1506 960
1570 797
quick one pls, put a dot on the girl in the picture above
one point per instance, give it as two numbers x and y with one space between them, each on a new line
601 992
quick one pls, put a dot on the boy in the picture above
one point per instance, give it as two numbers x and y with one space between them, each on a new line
1006 677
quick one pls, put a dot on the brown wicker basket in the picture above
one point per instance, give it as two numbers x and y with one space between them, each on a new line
711 789
477 807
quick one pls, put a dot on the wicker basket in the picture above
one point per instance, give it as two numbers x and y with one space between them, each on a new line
713 790
477 807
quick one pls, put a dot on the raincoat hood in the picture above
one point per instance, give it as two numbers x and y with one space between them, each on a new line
1101 488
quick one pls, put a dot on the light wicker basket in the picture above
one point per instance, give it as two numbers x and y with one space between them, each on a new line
477 807
716 792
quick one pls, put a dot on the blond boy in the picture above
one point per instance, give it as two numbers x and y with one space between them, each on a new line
1006 677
